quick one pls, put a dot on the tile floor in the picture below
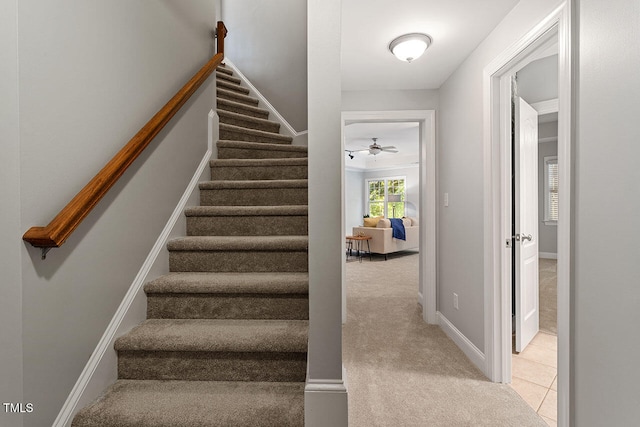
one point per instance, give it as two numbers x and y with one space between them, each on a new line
534 376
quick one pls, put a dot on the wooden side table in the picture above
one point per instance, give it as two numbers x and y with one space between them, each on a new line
359 242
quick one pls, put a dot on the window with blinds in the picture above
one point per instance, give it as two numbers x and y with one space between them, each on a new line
551 189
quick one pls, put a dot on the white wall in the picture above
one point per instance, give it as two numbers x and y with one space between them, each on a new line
606 235
267 41
10 236
325 202
460 173
91 74
325 393
354 199
389 100
538 81
548 130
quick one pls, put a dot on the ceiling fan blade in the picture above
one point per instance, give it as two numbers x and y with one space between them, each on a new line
388 147
390 151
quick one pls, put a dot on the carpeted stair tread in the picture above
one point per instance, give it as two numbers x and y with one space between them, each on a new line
216 335
223 69
247 220
260 169
238 107
254 184
259 149
233 150
193 295
267 192
129 403
237 133
239 243
224 84
227 143
239 163
227 77
248 122
236 96
294 210
230 283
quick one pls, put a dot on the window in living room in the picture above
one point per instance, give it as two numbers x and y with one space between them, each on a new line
386 197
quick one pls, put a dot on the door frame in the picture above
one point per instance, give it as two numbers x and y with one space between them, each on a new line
497 190
426 206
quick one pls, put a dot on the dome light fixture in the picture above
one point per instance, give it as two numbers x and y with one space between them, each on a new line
409 47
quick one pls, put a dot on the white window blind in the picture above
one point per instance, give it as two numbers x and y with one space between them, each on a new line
551 189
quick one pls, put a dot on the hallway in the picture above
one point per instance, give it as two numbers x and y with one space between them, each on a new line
403 372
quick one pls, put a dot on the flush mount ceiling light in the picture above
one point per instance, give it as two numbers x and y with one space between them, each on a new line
409 47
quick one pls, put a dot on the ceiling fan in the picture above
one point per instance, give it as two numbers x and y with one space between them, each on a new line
375 149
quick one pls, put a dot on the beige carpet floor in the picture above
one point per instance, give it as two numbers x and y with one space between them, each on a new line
402 372
548 295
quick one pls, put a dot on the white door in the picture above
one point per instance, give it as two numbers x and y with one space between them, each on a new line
526 217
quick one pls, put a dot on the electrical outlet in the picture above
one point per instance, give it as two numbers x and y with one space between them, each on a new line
446 200
455 300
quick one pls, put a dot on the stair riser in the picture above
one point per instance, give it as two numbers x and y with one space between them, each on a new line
254 197
226 306
237 97
239 135
247 225
240 261
248 153
211 366
250 124
232 86
258 172
240 110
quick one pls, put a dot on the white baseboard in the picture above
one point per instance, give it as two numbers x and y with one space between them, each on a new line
468 348
101 369
548 255
300 138
326 402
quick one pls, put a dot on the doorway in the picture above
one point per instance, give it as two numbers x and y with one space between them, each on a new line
426 209
498 196
534 230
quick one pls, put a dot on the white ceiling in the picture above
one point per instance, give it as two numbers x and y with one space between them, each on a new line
368 26
403 136
456 26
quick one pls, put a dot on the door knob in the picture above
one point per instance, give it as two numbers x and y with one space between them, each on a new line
522 237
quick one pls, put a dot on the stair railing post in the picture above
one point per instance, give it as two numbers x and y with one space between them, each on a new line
221 33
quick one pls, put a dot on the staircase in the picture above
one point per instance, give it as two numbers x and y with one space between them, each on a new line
225 340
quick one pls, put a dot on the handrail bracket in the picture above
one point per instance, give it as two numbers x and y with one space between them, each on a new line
45 251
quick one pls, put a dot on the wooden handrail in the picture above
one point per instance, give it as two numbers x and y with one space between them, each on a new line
69 218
